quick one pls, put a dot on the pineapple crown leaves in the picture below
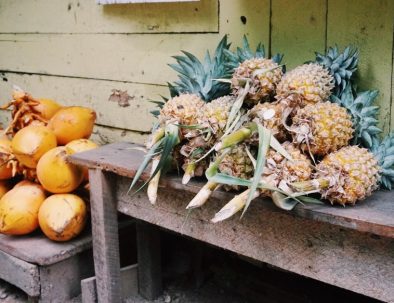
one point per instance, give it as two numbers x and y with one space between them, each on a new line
384 153
340 65
363 112
245 53
159 104
196 77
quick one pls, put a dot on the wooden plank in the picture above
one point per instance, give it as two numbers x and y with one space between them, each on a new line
342 257
105 135
105 236
298 29
392 95
367 24
250 18
133 58
38 249
91 93
149 261
139 1
129 282
374 215
61 281
19 273
76 17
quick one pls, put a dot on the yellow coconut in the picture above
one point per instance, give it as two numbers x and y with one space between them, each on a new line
81 145
71 123
19 209
47 108
31 142
62 216
5 155
4 187
57 175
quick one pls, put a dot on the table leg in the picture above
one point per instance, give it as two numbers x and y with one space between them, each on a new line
105 236
149 260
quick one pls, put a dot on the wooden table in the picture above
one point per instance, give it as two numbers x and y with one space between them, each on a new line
350 247
46 271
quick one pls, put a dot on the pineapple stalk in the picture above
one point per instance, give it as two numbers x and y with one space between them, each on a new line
310 185
189 173
203 195
233 206
235 138
154 183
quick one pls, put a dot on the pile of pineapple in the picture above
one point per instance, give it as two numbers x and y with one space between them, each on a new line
240 118
38 187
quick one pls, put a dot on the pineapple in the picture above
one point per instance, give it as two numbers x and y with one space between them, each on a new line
311 81
278 172
322 128
263 76
212 121
329 75
182 110
270 116
263 73
236 163
352 173
345 176
214 115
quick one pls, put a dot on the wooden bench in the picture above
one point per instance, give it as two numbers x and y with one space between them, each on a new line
350 247
45 270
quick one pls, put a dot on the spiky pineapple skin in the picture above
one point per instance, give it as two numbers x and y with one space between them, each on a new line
311 81
353 173
214 114
182 109
279 171
325 127
261 85
270 116
237 164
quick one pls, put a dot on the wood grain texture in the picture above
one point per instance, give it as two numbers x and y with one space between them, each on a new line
360 262
128 279
94 94
132 58
392 93
298 29
61 281
19 273
374 215
38 249
149 260
105 236
250 18
77 17
367 24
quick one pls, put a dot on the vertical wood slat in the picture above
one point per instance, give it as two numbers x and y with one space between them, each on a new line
298 29
392 91
367 24
105 237
149 260
251 18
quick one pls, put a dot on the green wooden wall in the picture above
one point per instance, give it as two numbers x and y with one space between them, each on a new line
76 51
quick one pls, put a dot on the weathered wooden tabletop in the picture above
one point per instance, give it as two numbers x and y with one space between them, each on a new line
374 215
38 249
